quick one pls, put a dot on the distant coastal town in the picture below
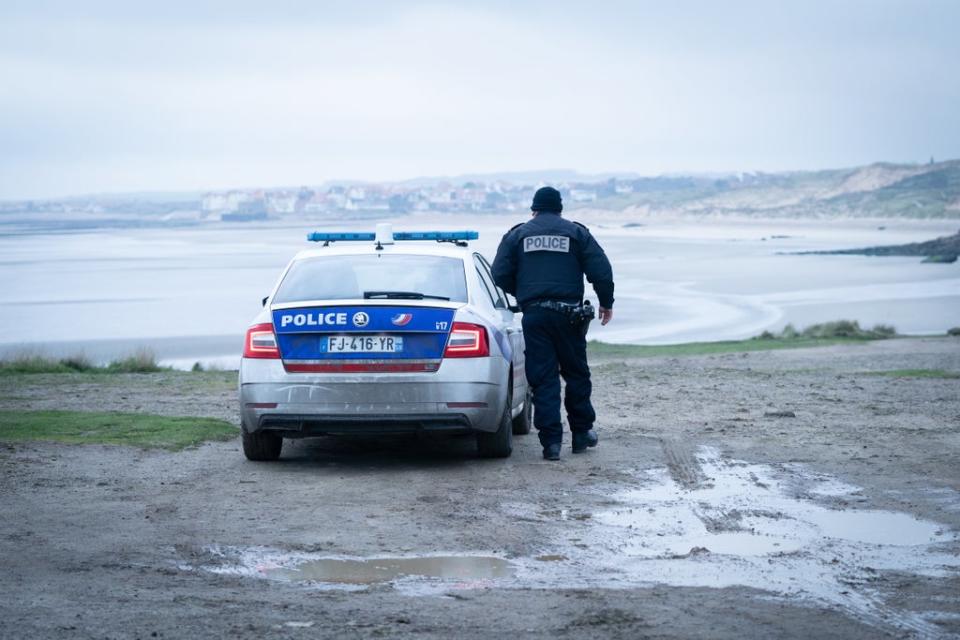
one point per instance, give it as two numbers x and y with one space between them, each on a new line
340 199
369 198
881 190
394 199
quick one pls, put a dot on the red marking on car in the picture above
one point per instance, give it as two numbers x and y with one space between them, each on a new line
352 367
402 319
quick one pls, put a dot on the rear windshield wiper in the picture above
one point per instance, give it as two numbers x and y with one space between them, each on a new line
401 295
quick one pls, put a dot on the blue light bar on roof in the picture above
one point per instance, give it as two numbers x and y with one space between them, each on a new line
440 236
318 236
449 236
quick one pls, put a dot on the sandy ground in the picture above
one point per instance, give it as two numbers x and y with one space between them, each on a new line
777 494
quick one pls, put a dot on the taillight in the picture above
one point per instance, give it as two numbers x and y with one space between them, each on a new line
467 341
261 342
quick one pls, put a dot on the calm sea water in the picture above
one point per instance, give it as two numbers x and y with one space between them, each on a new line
189 293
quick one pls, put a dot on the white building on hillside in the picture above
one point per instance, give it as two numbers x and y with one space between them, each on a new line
223 202
583 195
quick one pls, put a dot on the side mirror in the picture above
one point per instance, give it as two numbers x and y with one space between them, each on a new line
263 302
515 308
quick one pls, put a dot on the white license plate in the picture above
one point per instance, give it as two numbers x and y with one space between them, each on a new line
364 344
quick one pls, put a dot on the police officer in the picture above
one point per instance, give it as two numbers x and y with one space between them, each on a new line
542 263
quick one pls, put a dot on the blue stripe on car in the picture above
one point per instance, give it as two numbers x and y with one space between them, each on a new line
302 332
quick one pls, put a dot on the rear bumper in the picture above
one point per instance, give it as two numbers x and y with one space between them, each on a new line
464 395
304 426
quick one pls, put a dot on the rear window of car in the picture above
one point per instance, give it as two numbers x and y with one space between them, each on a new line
348 277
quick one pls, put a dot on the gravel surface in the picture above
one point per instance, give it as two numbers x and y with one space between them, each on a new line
794 493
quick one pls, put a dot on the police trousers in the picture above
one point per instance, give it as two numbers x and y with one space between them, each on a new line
555 348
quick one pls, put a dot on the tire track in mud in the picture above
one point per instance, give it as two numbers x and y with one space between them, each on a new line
682 465
879 615
687 471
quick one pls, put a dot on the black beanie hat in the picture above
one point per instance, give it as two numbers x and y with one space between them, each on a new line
547 199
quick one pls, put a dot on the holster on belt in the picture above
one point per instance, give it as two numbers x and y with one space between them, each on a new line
579 315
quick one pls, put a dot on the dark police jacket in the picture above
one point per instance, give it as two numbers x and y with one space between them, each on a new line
546 259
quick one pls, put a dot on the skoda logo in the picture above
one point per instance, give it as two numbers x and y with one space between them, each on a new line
360 319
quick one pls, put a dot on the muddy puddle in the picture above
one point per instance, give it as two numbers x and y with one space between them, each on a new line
702 521
766 527
419 574
747 510
383 570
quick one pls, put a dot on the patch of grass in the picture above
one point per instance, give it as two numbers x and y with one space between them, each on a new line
34 361
140 361
915 373
708 348
835 329
77 362
30 363
817 335
132 429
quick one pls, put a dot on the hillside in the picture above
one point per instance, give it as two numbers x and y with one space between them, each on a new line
877 190
880 190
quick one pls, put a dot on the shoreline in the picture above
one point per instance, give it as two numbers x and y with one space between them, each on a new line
15 225
597 349
677 282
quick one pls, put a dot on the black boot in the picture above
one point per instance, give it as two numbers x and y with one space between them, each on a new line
584 439
551 452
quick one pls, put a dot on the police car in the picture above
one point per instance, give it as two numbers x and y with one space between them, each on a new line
376 333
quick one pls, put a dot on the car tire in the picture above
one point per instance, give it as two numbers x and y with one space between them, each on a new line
499 443
261 446
523 422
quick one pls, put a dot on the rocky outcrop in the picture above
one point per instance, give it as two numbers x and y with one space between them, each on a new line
944 249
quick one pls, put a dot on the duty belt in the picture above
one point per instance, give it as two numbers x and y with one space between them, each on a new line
553 305
578 314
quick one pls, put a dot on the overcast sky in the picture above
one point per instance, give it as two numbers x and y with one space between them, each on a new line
186 95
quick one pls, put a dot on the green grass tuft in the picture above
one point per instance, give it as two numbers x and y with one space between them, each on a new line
829 330
77 362
710 348
132 429
29 363
140 361
817 335
915 373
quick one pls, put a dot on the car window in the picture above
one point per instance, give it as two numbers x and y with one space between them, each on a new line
347 277
503 294
494 294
